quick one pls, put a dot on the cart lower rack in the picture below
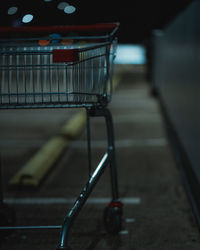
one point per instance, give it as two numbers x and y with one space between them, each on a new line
39 69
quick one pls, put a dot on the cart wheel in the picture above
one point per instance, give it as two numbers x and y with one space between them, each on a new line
7 219
113 217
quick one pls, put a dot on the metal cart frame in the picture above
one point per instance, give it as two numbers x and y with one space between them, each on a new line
29 60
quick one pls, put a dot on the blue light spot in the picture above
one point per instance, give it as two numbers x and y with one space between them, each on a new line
62 5
12 10
69 9
27 18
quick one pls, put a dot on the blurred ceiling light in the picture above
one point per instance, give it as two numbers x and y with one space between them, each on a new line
62 5
130 54
47 0
69 9
27 18
12 10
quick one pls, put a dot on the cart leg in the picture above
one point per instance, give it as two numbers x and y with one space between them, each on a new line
71 216
113 212
111 146
104 112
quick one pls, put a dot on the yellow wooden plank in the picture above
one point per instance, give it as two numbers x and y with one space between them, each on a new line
37 167
74 126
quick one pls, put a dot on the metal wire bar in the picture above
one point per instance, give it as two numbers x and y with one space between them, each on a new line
31 227
89 144
1 185
36 49
69 219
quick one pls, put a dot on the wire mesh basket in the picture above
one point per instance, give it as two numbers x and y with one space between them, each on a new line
57 70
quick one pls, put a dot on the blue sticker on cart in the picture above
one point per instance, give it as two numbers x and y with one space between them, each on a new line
55 38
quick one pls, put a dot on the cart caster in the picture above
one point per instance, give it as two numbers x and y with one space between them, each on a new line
7 219
113 217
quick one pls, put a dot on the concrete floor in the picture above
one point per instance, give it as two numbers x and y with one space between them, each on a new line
157 215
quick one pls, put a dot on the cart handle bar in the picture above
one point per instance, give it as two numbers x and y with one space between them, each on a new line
60 28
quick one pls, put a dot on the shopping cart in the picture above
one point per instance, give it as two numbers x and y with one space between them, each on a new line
64 67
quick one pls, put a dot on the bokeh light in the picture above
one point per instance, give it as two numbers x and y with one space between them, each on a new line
27 18
12 10
62 5
130 54
69 9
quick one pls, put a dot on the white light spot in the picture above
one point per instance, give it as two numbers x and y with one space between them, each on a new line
130 54
69 9
12 10
47 0
27 18
123 232
129 220
62 5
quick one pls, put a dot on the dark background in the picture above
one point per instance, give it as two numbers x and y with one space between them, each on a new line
137 18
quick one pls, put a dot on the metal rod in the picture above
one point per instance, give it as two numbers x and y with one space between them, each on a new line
111 146
31 227
1 184
107 60
69 219
46 52
89 144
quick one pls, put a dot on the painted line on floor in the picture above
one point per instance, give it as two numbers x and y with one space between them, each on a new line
56 200
137 117
123 143
21 143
